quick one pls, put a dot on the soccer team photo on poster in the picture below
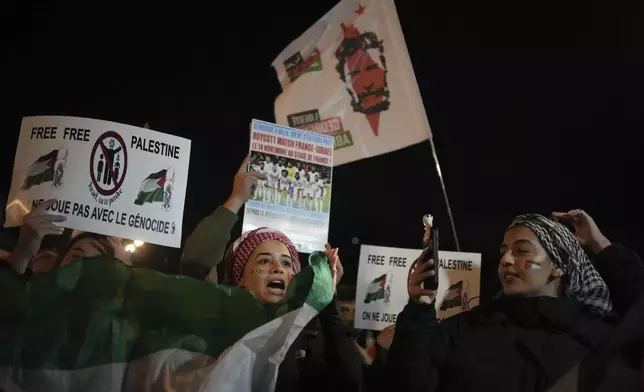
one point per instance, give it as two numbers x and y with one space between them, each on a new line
295 196
292 183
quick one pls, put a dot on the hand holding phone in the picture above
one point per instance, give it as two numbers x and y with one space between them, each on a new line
432 282
418 273
423 275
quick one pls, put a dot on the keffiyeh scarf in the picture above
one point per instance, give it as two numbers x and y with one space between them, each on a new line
584 283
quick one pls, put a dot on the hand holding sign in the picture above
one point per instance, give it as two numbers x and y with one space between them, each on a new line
35 226
337 270
386 336
417 274
586 230
243 186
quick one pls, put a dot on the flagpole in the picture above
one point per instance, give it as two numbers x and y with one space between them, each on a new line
431 138
440 177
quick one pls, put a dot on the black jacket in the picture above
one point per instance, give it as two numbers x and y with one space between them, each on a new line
375 375
512 344
324 357
618 364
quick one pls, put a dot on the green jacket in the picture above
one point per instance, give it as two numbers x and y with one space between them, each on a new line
206 245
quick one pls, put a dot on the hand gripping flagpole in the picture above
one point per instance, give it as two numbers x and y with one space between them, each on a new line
440 177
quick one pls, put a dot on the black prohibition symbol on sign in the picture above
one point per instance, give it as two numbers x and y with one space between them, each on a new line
108 174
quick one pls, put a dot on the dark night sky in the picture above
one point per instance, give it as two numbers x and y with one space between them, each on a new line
534 106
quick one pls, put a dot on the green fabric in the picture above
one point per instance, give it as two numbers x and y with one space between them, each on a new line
97 311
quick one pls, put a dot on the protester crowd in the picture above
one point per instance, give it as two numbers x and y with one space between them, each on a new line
570 316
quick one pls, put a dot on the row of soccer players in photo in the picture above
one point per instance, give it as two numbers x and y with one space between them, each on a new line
291 185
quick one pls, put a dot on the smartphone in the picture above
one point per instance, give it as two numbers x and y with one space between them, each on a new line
432 283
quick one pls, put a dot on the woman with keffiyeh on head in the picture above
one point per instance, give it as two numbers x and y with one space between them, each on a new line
324 356
552 312
263 261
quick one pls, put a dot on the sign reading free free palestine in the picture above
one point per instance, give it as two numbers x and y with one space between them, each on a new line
107 178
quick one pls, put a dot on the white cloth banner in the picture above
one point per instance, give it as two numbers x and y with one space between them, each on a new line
381 292
350 76
108 178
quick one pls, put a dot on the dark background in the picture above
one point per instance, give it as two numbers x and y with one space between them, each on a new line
534 106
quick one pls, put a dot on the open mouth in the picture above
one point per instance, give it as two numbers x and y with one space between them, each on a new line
276 286
509 276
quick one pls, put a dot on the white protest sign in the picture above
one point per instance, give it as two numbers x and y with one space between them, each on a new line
381 292
295 198
108 178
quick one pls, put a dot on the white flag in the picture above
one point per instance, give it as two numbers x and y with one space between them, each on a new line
350 76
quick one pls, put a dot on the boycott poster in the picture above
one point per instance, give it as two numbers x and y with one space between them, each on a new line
296 195
381 292
108 178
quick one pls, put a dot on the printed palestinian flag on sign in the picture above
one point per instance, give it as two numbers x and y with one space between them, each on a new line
453 296
41 171
152 188
376 289
99 325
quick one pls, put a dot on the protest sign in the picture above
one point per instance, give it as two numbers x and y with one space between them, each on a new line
381 292
295 198
356 61
108 178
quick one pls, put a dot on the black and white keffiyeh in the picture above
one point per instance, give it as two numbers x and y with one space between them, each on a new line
583 282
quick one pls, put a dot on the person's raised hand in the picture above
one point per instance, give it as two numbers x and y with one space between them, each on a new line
337 270
386 336
244 186
586 230
419 271
35 226
38 223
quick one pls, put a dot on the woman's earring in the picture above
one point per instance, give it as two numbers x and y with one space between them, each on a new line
555 273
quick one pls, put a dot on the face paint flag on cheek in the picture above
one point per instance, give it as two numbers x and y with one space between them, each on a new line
531 265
